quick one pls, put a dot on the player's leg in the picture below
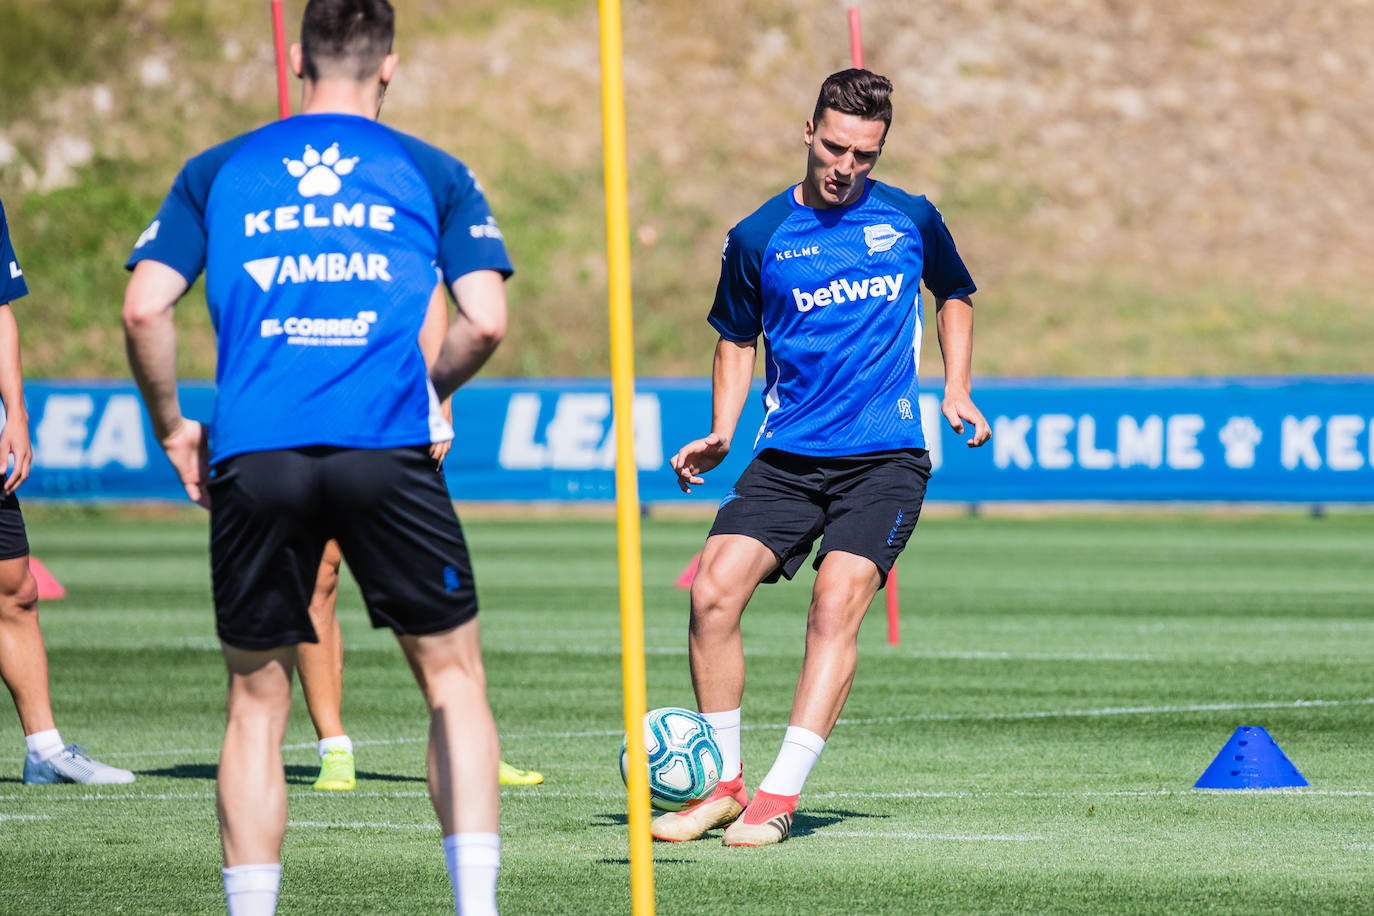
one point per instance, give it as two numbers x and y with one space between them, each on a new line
251 781
763 530
320 666
24 668
265 548
405 546
874 505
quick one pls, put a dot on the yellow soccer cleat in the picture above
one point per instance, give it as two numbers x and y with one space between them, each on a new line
337 773
514 776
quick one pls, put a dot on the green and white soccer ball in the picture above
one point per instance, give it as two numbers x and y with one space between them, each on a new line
684 759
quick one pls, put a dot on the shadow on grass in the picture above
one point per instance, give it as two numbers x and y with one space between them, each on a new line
295 775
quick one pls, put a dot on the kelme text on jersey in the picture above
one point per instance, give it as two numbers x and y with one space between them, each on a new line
843 290
284 219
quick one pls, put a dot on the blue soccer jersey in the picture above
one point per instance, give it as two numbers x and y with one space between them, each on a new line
12 284
322 237
836 295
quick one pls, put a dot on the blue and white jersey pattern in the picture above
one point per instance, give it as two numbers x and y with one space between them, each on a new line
12 284
836 295
322 237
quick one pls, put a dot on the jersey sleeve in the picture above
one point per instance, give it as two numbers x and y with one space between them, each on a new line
944 272
469 238
12 284
737 312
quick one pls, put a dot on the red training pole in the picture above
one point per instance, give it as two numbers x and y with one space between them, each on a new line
279 39
856 53
856 42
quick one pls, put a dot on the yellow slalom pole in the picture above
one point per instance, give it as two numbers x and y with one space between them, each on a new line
627 484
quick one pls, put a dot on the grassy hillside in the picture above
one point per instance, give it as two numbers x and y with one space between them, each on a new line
1136 191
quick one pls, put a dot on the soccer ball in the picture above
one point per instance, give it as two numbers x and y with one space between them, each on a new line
684 759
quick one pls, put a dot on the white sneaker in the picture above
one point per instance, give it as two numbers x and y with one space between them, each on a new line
72 765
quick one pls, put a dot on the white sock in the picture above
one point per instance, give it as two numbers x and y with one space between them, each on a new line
727 730
473 860
337 743
251 890
43 745
800 751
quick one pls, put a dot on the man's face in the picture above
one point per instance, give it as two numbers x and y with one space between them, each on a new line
841 150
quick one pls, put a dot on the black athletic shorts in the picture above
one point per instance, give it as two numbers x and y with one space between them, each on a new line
13 541
271 513
865 505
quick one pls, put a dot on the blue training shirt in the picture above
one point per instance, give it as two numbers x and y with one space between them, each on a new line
836 295
12 284
322 237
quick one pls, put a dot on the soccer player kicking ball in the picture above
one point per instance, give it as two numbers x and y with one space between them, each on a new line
23 657
828 272
320 236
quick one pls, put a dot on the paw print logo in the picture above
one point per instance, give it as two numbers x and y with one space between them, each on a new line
319 172
1240 435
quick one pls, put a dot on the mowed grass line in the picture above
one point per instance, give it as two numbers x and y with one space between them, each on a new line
1030 745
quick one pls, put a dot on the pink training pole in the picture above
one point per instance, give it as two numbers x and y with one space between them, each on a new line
856 53
279 39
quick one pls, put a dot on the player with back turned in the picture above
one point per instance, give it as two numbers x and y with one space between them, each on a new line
828 273
321 237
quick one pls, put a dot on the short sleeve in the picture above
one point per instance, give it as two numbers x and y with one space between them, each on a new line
944 272
737 313
469 237
12 284
176 236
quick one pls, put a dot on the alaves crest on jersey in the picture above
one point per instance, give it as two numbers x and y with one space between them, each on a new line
880 237
319 172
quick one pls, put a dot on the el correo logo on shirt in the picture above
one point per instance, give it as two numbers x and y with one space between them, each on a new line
880 237
487 230
319 172
838 292
321 332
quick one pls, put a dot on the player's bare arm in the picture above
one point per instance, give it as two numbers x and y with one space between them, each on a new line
150 339
954 325
432 334
14 440
732 372
476 331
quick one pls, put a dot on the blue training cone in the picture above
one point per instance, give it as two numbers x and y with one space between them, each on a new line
1250 760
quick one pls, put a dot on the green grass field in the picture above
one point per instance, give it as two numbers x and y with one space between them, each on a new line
1030 746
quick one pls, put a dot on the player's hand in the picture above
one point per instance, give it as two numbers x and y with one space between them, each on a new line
15 446
439 450
188 449
696 458
960 407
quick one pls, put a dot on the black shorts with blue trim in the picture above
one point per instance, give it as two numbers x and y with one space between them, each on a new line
864 504
271 513
14 541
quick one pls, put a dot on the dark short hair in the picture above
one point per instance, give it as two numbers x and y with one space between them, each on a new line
862 93
345 37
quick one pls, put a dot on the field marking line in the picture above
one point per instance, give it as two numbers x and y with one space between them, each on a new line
945 837
24 817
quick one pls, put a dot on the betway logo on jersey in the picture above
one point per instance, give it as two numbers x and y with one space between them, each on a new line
329 267
327 332
838 292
